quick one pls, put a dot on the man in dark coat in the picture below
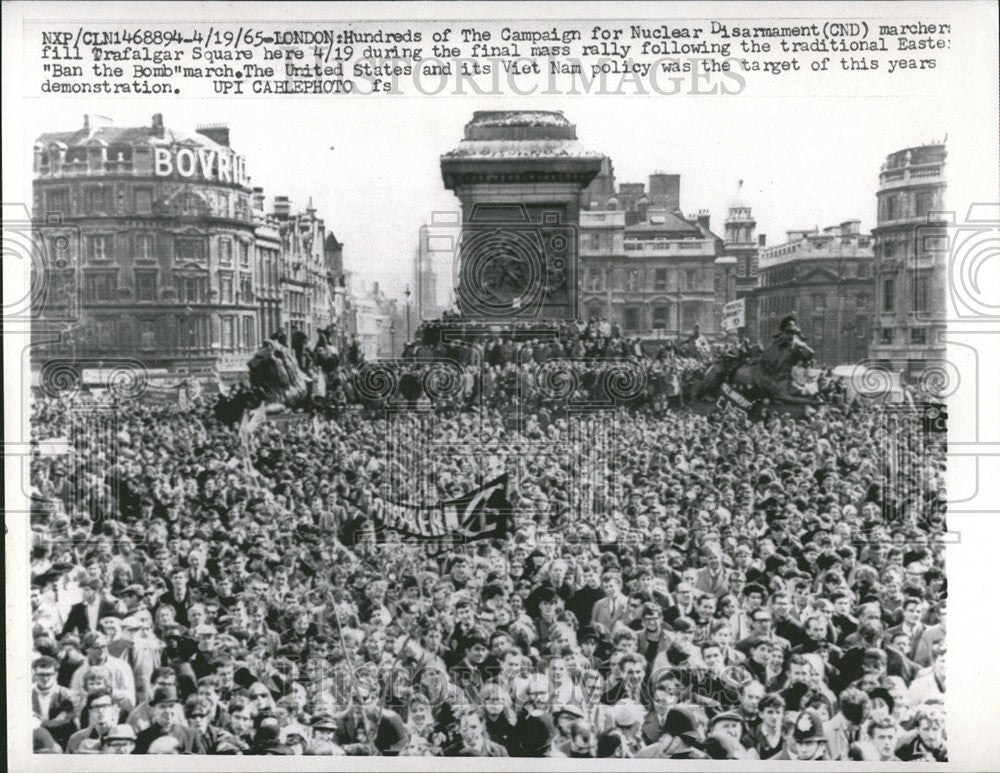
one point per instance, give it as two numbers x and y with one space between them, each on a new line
84 616
163 701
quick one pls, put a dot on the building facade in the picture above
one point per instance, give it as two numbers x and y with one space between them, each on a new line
307 284
164 254
826 279
742 242
910 260
268 265
377 321
163 248
657 277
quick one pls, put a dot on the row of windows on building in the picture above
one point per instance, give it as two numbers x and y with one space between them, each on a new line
919 294
630 280
816 302
788 274
662 317
903 246
903 205
919 299
641 245
103 286
917 335
747 265
268 271
96 200
190 333
297 303
143 245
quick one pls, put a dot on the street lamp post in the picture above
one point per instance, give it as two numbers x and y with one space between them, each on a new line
407 294
190 338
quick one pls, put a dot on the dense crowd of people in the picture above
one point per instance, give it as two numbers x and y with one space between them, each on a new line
697 586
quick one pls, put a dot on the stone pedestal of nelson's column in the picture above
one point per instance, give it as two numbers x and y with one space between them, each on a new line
519 175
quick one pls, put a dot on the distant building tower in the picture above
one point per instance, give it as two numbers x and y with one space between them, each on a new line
665 191
910 261
741 236
742 243
428 306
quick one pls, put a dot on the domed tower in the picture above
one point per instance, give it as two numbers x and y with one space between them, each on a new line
741 236
742 244
741 240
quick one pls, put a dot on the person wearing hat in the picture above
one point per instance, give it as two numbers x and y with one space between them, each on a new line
119 740
722 746
805 740
627 717
163 703
267 741
563 716
728 723
536 736
324 728
84 616
681 739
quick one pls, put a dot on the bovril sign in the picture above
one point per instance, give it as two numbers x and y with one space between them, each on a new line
202 163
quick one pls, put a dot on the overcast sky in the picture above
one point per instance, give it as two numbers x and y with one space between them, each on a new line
372 166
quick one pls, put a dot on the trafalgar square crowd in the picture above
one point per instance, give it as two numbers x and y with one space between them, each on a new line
725 587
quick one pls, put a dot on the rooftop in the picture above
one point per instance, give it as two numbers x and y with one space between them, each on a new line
664 222
537 118
125 135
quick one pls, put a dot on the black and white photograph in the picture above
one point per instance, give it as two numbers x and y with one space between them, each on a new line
455 381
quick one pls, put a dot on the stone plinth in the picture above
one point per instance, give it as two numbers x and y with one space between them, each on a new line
519 176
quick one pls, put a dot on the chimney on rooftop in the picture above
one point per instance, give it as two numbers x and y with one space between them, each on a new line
665 191
761 240
157 124
258 199
703 218
282 207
